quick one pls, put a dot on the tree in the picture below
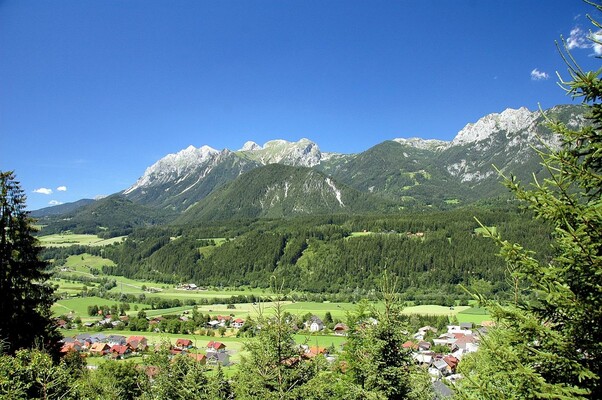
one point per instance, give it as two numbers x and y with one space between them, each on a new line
32 374
548 343
114 380
274 367
25 297
374 357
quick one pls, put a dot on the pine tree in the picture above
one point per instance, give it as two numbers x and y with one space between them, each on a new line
274 367
549 341
25 297
374 357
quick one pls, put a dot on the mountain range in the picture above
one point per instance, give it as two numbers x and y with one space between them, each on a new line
283 179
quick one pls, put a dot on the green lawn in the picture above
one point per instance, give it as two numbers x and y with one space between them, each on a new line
84 262
79 305
434 310
65 240
475 315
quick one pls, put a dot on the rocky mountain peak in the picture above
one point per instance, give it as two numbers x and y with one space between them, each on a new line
174 166
510 121
302 153
424 144
250 146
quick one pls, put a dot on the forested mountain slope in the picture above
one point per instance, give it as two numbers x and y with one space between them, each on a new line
279 191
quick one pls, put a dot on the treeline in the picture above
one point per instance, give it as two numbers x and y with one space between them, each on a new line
109 217
432 253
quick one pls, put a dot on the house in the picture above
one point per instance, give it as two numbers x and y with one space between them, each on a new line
183 344
155 320
84 337
99 349
116 340
198 357
62 324
466 325
314 351
175 351
188 286
120 351
410 345
238 323
99 337
447 339
442 391
424 346
214 358
137 343
314 324
213 324
340 329
71 346
425 359
452 363
458 329
215 347
223 319
422 332
441 366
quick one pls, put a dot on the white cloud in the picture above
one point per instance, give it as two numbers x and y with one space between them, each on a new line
538 75
100 196
577 39
55 202
43 191
62 188
597 46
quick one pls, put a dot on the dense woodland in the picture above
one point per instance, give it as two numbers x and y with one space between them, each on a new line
432 253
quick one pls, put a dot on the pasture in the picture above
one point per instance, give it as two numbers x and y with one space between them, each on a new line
88 266
69 239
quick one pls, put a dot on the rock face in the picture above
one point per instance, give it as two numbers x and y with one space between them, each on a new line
411 169
303 153
510 121
179 180
424 144
175 167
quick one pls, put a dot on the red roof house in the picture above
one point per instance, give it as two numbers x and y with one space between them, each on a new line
216 346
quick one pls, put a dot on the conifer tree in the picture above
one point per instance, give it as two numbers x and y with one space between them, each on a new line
25 297
274 367
548 343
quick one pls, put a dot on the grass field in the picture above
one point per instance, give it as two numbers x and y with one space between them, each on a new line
85 261
84 264
64 240
79 305
476 315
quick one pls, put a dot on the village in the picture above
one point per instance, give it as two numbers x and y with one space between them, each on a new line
437 351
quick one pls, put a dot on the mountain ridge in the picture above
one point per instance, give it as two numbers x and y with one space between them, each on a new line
411 172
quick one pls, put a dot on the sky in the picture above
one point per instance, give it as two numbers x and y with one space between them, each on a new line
94 92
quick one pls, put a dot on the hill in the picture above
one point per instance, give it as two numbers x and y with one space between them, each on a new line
280 191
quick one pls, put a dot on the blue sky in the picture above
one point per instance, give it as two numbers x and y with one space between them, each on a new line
93 92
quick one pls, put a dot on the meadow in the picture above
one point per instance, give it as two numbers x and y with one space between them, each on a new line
89 266
69 239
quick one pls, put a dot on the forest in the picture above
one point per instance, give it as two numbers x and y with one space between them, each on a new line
431 252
